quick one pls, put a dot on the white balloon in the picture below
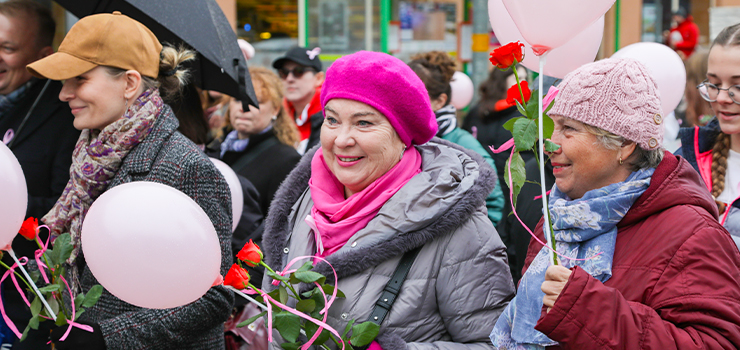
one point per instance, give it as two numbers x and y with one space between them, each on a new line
665 66
462 90
237 196
13 196
151 245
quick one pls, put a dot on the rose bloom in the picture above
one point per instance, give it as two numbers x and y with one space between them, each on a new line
29 228
250 254
508 55
237 277
514 94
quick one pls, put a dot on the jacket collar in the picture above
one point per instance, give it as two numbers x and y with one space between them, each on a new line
349 262
707 137
141 158
47 106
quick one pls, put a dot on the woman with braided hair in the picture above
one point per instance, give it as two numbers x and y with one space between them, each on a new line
714 150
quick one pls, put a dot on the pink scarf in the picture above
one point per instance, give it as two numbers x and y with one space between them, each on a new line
338 219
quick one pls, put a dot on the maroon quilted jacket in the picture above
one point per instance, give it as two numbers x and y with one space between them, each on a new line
675 282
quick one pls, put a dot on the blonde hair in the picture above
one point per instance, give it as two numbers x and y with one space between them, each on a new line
696 72
272 91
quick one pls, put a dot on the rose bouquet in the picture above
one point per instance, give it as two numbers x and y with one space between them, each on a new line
525 129
304 324
48 301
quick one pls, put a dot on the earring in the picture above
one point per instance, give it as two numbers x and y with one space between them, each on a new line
620 161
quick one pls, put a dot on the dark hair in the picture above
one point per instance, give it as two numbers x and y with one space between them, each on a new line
492 90
189 111
435 69
45 25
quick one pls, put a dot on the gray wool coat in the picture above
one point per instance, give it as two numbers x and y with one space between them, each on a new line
167 157
459 283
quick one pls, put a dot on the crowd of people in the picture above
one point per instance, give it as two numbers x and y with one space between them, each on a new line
366 166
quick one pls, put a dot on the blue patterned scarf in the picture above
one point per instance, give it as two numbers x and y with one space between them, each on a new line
583 228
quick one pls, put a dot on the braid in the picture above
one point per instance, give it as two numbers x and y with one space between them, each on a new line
719 163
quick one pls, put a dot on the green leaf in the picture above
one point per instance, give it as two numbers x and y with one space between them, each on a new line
509 125
49 288
328 289
310 276
551 146
35 275
306 267
311 329
283 296
277 277
290 346
520 108
288 325
347 329
34 322
78 300
92 296
525 134
306 306
62 249
78 313
61 321
36 306
518 175
251 319
53 303
533 106
25 332
548 126
364 333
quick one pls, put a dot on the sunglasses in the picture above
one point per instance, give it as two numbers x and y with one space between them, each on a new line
297 72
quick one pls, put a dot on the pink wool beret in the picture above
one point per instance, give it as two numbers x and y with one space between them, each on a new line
616 95
388 85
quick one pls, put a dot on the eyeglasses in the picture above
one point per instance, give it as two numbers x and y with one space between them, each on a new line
297 72
709 92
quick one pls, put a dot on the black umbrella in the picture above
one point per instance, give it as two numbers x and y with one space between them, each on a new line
200 25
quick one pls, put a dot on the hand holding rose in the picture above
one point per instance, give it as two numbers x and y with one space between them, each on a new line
556 277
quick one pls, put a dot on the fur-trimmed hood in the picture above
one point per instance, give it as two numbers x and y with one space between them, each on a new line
452 186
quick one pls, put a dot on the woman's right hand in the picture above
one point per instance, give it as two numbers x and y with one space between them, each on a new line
556 277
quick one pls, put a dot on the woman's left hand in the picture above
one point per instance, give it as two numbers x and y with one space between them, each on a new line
556 277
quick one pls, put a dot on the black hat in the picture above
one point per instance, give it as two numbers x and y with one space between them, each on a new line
302 56
680 12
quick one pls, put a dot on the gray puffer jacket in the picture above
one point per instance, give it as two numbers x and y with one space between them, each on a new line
460 281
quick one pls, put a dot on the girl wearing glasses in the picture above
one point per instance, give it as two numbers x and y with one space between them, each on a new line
714 150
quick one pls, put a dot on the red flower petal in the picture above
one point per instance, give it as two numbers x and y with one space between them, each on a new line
29 228
250 254
237 277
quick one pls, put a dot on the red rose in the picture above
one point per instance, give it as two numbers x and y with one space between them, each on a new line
508 55
29 228
250 254
237 277
513 94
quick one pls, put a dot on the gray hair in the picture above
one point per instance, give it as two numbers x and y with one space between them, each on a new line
640 158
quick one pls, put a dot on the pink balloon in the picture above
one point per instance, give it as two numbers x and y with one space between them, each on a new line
666 68
462 90
549 24
151 245
13 198
237 196
578 51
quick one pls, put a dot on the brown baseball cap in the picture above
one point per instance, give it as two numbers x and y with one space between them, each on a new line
105 39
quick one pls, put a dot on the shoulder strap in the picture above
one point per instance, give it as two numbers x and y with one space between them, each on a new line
393 288
253 153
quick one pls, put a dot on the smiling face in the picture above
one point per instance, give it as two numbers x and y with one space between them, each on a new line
96 98
255 120
581 163
724 71
359 143
300 91
18 47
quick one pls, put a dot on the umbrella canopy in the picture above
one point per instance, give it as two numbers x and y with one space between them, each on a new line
200 25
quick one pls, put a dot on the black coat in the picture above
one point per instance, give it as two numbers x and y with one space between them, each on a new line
44 148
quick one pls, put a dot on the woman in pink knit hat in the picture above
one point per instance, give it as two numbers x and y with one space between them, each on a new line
644 264
399 214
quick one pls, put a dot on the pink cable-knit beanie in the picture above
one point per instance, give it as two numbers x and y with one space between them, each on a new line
616 95
388 85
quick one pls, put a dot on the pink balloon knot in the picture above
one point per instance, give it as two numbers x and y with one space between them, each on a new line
540 50
219 281
6 248
8 136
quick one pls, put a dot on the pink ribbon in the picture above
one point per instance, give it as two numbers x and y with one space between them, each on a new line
551 94
327 303
317 237
8 136
23 260
313 53
506 146
513 210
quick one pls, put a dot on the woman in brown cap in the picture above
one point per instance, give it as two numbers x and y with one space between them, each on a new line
116 74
